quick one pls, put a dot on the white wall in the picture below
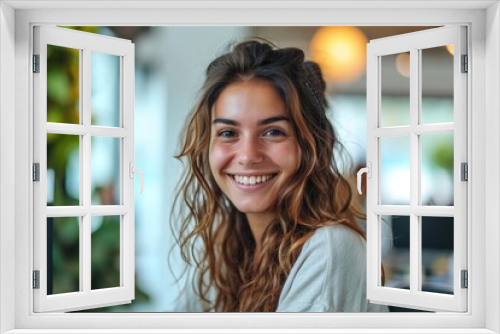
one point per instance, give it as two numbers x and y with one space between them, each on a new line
7 170
492 166
232 321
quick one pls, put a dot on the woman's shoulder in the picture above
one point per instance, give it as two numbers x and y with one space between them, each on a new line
335 237
330 252
329 274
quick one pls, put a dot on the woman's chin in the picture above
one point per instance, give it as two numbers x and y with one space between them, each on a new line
251 208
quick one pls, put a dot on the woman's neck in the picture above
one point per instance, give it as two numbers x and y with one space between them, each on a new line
258 223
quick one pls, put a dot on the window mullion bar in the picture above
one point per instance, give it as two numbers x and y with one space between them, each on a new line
394 131
85 167
434 211
109 210
427 129
66 211
79 130
376 173
122 175
414 169
429 211
430 129
67 129
127 247
372 155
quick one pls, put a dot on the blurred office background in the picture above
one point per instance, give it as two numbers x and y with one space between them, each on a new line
169 69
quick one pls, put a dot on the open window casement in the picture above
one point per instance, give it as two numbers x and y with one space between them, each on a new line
83 170
405 140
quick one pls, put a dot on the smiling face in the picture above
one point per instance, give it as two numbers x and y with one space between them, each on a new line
253 149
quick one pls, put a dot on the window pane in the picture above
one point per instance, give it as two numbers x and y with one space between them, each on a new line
437 254
437 85
63 169
105 91
395 249
105 253
437 169
395 170
105 171
63 84
63 255
395 90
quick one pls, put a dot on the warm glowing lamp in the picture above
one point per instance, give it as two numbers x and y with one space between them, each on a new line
403 64
340 52
451 49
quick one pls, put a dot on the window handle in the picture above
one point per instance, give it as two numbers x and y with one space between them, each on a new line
368 171
133 170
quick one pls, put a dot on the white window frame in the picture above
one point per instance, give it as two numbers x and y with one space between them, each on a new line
16 126
414 43
85 297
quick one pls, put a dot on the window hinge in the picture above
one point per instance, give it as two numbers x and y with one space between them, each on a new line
465 279
36 279
464 172
36 63
36 172
465 64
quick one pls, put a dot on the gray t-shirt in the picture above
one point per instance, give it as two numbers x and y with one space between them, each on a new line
329 275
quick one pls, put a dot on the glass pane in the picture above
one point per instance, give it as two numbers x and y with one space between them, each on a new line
437 85
105 91
395 90
105 253
63 169
63 255
395 242
437 169
105 171
437 254
395 170
63 84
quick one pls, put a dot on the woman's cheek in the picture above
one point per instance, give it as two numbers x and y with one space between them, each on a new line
287 156
217 157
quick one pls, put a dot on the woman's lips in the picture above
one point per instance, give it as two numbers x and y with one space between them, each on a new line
252 179
251 182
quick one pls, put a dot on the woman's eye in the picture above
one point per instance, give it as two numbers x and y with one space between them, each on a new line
274 133
226 134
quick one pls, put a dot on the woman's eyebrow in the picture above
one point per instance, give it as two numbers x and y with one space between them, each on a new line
262 122
225 121
273 119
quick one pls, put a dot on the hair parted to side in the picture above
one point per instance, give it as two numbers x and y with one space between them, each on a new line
318 195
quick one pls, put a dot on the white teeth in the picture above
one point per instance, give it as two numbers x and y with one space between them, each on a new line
251 180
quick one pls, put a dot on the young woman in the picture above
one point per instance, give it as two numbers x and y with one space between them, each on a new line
275 219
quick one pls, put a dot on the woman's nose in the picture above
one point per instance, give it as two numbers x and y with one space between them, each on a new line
250 152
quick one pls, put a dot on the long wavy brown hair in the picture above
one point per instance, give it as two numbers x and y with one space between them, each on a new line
213 234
